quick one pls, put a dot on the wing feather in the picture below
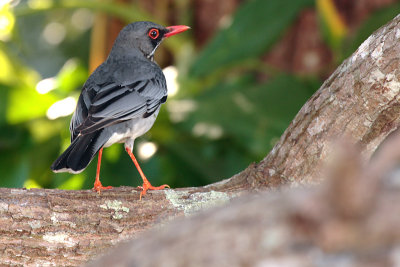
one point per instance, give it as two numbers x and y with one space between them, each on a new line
114 103
125 93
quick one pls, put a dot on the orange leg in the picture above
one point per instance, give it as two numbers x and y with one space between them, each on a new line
146 184
97 184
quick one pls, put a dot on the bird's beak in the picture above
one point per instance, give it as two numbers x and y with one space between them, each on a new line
172 30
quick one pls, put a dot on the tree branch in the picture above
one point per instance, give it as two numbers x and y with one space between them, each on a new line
352 219
360 100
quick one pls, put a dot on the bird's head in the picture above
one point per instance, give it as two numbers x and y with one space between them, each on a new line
145 36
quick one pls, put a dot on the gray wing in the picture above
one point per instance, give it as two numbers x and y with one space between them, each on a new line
102 105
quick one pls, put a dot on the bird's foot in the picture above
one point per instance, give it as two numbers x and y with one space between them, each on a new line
98 187
147 186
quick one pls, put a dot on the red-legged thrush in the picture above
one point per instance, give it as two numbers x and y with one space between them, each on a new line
120 100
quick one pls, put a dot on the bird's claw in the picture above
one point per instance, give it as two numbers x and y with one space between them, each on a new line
97 187
148 186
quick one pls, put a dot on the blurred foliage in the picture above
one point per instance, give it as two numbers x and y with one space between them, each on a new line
223 117
373 22
333 27
256 25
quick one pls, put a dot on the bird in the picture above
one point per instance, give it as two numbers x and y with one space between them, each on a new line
119 101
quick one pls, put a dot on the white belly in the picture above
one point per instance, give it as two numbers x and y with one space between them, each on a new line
128 131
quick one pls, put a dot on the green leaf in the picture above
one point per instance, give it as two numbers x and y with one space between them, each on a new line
255 27
71 76
75 182
26 103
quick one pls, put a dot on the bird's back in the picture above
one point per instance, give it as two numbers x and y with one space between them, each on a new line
119 89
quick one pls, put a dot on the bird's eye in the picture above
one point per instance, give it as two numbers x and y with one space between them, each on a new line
154 33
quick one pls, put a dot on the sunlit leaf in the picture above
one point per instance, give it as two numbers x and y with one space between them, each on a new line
334 28
30 183
6 69
71 76
7 21
20 109
73 183
42 129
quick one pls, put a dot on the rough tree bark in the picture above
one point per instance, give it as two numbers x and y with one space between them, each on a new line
350 220
360 101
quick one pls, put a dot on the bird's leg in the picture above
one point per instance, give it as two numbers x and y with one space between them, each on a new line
97 184
146 184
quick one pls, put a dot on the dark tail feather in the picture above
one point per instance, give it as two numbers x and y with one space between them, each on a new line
79 154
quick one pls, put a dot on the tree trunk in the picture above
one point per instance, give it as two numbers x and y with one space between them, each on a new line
351 220
359 101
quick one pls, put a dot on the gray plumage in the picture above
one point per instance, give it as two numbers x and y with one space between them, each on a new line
119 101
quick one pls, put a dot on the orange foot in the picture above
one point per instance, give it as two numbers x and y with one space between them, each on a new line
147 186
98 187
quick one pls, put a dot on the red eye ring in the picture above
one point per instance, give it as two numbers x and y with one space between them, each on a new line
154 33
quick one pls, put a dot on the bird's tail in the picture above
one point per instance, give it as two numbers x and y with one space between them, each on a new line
79 154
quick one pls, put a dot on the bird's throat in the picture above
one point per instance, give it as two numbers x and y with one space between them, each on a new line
151 55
